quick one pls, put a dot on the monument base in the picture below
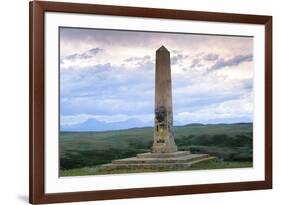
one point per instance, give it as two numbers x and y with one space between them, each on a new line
180 159
164 147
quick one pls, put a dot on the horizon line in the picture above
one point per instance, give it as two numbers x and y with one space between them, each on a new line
198 124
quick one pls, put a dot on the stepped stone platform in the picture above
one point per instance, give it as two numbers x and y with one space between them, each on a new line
180 159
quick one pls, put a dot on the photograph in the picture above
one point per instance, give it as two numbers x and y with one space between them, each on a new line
128 102
149 101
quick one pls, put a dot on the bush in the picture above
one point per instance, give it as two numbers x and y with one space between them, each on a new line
87 158
223 153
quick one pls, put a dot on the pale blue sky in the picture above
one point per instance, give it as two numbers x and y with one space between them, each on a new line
108 77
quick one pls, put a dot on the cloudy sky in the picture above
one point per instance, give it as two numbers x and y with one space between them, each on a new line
108 76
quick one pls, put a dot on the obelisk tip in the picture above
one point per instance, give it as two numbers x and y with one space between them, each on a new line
162 48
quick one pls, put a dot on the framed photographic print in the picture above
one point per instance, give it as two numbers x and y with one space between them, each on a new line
138 102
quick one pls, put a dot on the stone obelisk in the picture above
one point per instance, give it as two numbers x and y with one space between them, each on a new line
164 150
163 122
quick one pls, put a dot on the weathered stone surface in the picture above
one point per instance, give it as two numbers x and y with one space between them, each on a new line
183 160
163 122
163 155
180 159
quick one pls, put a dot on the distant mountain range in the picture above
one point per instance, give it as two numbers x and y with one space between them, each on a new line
95 125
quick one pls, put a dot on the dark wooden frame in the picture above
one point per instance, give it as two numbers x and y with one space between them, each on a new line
37 95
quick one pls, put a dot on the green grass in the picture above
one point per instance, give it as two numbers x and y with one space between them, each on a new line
81 152
212 164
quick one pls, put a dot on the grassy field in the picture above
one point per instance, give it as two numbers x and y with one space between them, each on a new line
81 153
212 164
